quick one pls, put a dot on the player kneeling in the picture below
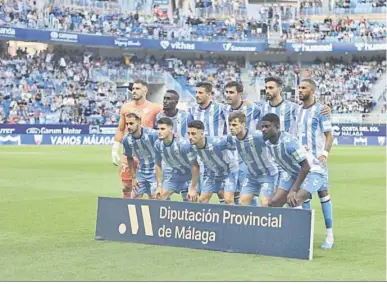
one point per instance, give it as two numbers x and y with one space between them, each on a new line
176 164
140 141
302 175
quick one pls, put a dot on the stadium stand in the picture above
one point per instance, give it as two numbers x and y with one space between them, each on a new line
334 30
65 86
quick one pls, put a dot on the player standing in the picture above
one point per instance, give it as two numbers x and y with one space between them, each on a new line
140 141
262 172
148 111
286 110
275 103
180 117
221 168
315 133
176 164
302 175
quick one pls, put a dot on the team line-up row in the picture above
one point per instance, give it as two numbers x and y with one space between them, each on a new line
283 163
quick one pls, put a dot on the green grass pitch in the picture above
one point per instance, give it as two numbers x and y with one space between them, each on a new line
48 200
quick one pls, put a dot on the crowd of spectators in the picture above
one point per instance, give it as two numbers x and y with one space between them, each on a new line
58 87
158 25
335 30
201 26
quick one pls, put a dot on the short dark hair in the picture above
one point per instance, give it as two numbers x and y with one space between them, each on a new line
272 117
166 121
142 82
310 82
173 92
136 115
237 85
277 80
237 114
206 85
196 124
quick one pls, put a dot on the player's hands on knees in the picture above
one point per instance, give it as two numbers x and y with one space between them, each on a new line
159 192
292 198
135 185
323 160
193 195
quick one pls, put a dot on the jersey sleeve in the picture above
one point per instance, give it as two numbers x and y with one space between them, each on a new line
128 151
258 138
325 123
185 146
296 150
155 122
157 153
189 118
224 143
294 110
256 112
223 117
153 135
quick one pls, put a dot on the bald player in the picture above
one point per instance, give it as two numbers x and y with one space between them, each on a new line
148 112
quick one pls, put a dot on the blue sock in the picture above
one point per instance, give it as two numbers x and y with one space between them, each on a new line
307 204
326 206
236 200
254 202
184 195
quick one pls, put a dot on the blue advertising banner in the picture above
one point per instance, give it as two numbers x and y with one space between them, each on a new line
111 41
360 141
282 232
338 129
215 46
56 129
107 139
359 129
335 47
40 139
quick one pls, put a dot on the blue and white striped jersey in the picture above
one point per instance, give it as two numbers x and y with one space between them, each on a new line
180 122
218 156
288 153
286 111
177 156
311 126
254 153
251 111
213 117
142 148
